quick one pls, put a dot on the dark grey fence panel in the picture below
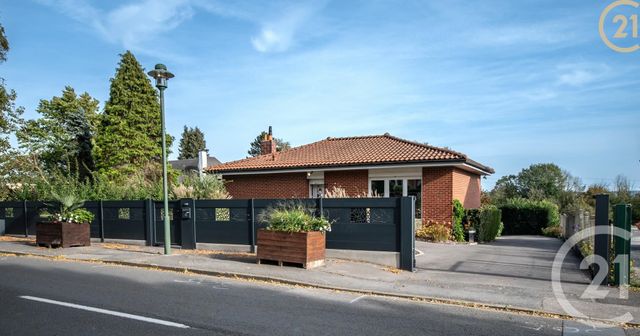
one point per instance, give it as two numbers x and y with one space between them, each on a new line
359 224
223 221
174 222
94 208
123 219
12 213
363 223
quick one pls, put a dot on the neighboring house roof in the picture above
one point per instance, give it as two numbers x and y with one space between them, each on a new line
350 151
192 164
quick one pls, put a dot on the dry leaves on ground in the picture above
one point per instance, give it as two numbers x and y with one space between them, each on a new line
16 239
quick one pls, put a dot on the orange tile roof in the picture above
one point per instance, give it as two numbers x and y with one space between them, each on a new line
351 151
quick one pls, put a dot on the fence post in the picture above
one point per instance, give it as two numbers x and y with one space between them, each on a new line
149 223
252 214
25 219
101 218
188 223
622 245
407 239
602 242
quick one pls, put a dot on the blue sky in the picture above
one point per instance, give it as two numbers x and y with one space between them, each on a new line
509 83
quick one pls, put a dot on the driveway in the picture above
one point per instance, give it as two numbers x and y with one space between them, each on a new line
515 270
508 259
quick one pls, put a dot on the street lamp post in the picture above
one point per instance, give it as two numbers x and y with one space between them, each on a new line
161 75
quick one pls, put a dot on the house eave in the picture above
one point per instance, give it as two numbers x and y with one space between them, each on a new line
462 164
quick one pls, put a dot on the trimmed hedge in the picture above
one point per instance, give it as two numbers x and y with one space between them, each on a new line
490 223
486 221
527 217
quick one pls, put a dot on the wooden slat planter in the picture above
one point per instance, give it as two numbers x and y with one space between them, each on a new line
306 248
63 234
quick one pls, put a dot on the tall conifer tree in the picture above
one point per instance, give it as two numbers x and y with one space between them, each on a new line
191 143
129 135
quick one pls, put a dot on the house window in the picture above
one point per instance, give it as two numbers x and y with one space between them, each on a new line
316 190
414 188
398 187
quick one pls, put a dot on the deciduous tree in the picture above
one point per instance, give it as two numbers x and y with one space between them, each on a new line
62 137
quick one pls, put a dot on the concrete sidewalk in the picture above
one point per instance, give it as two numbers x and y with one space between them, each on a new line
468 288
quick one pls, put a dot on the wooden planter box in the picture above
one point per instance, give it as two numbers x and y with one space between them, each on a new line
63 234
306 248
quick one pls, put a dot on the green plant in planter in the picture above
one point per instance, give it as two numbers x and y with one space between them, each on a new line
294 218
70 210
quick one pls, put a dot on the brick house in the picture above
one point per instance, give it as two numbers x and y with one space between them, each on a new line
379 165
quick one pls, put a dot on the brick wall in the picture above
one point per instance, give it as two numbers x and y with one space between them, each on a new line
355 182
286 185
466 188
437 193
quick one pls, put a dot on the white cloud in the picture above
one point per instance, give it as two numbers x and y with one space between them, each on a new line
131 25
278 35
576 77
137 24
580 74
134 24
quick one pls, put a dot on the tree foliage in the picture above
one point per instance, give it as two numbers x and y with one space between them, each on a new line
10 118
191 142
129 135
254 146
62 137
538 182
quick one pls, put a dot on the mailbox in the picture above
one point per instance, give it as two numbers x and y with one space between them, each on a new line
186 213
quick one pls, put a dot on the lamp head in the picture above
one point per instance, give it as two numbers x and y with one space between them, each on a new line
161 75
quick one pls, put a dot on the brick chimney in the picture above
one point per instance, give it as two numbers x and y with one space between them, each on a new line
268 145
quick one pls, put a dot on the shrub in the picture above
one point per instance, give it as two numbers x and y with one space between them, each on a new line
552 231
458 215
486 221
196 187
471 219
434 231
523 216
490 224
293 218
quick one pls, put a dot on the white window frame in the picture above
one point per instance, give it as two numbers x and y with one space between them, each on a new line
405 184
316 182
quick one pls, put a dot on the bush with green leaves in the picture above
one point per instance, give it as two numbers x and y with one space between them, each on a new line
438 232
487 222
458 215
490 223
294 218
524 216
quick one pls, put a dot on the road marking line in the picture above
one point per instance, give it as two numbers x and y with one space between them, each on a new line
107 312
358 298
418 252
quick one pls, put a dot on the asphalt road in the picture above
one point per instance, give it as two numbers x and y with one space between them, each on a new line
43 297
